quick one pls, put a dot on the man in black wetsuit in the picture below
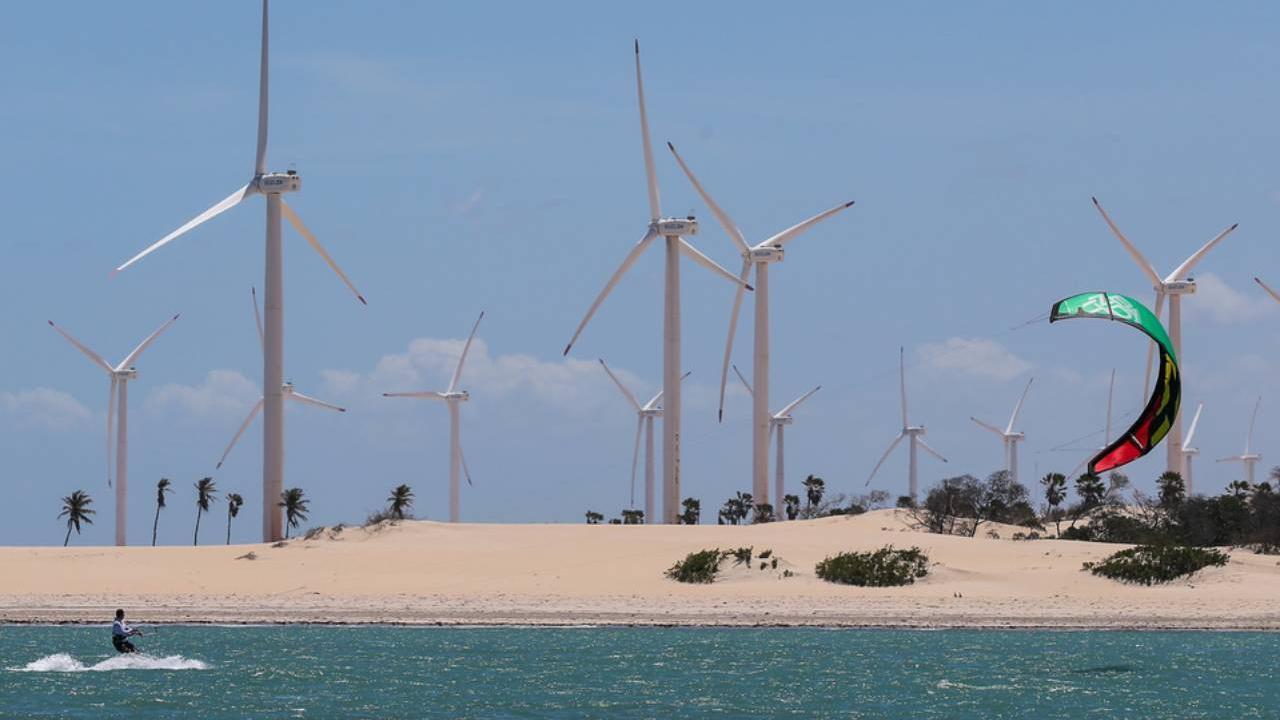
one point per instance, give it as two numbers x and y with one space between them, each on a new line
120 634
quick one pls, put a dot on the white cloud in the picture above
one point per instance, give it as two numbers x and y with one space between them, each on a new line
42 408
973 358
224 393
1224 304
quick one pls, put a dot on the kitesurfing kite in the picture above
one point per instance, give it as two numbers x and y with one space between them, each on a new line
1158 416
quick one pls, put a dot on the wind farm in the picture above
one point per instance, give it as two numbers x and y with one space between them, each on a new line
477 169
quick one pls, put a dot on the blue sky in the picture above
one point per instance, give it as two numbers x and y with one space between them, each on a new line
486 156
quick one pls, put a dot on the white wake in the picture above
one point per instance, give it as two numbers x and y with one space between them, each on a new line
62 662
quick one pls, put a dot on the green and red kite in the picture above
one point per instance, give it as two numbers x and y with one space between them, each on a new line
1157 417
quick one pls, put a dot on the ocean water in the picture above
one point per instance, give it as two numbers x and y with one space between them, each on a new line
402 672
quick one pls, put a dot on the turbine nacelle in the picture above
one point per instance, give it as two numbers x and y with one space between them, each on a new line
675 227
766 254
916 430
1015 436
130 373
456 396
1179 287
277 183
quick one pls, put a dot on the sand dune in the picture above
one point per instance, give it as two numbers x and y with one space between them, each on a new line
428 572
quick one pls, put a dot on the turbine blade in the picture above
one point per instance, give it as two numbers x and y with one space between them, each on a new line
95 357
257 408
790 233
627 262
466 471
1191 433
308 400
653 402
1272 293
696 255
1143 263
257 318
796 403
462 359
260 163
902 380
635 459
1248 443
1231 459
133 356
987 426
1151 349
1013 419
655 208
315 245
930 450
1111 391
1181 271
625 391
885 456
111 414
726 222
745 384
421 394
733 330
222 206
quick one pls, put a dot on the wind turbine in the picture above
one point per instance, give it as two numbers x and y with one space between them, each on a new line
120 376
1106 436
673 231
1189 451
1009 436
645 417
273 186
287 390
453 397
777 423
760 256
1274 295
1249 458
1174 285
915 433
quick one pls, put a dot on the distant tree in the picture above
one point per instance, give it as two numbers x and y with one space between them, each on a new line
1172 490
737 508
594 518
615 521
1239 489
1117 483
1091 491
814 486
400 500
162 489
632 517
234 501
75 507
205 489
762 513
792 504
905 501
294 503
1055 491
692 511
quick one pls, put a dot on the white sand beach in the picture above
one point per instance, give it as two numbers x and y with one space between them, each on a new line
434 573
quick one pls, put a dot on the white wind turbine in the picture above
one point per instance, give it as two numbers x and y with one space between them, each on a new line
1106 433
1249 458
272 186
1009 436
453 397
120 376
645 417
1189 451
759 256
287 390
914 432
777 423
1174 285
673 231
1274 295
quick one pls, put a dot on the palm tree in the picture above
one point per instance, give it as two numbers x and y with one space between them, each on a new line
76 508
295 508
692 511
401 499
162 489
1055 491
593 517
813 487
234 501
205 489
792 503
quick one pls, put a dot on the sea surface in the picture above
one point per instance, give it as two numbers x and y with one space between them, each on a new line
403 672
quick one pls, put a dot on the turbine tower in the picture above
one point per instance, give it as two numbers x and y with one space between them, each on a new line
1249 458
453 398
1189 451
673 231
1106 433
777 422
1009 436
120 376
273 186
287 390
1174 285
759 256
645 416
914 432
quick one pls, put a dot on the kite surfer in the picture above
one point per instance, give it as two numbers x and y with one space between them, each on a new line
120 634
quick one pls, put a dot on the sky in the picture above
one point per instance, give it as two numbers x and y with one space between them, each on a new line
486 156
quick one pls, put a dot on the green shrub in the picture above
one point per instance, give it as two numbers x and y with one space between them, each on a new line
697 567
1150 564
741 556
885 567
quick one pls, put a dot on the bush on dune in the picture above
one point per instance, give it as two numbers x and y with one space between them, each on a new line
1151 564
886 567
697 567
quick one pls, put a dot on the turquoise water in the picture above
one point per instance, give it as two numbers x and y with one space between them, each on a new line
398 672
